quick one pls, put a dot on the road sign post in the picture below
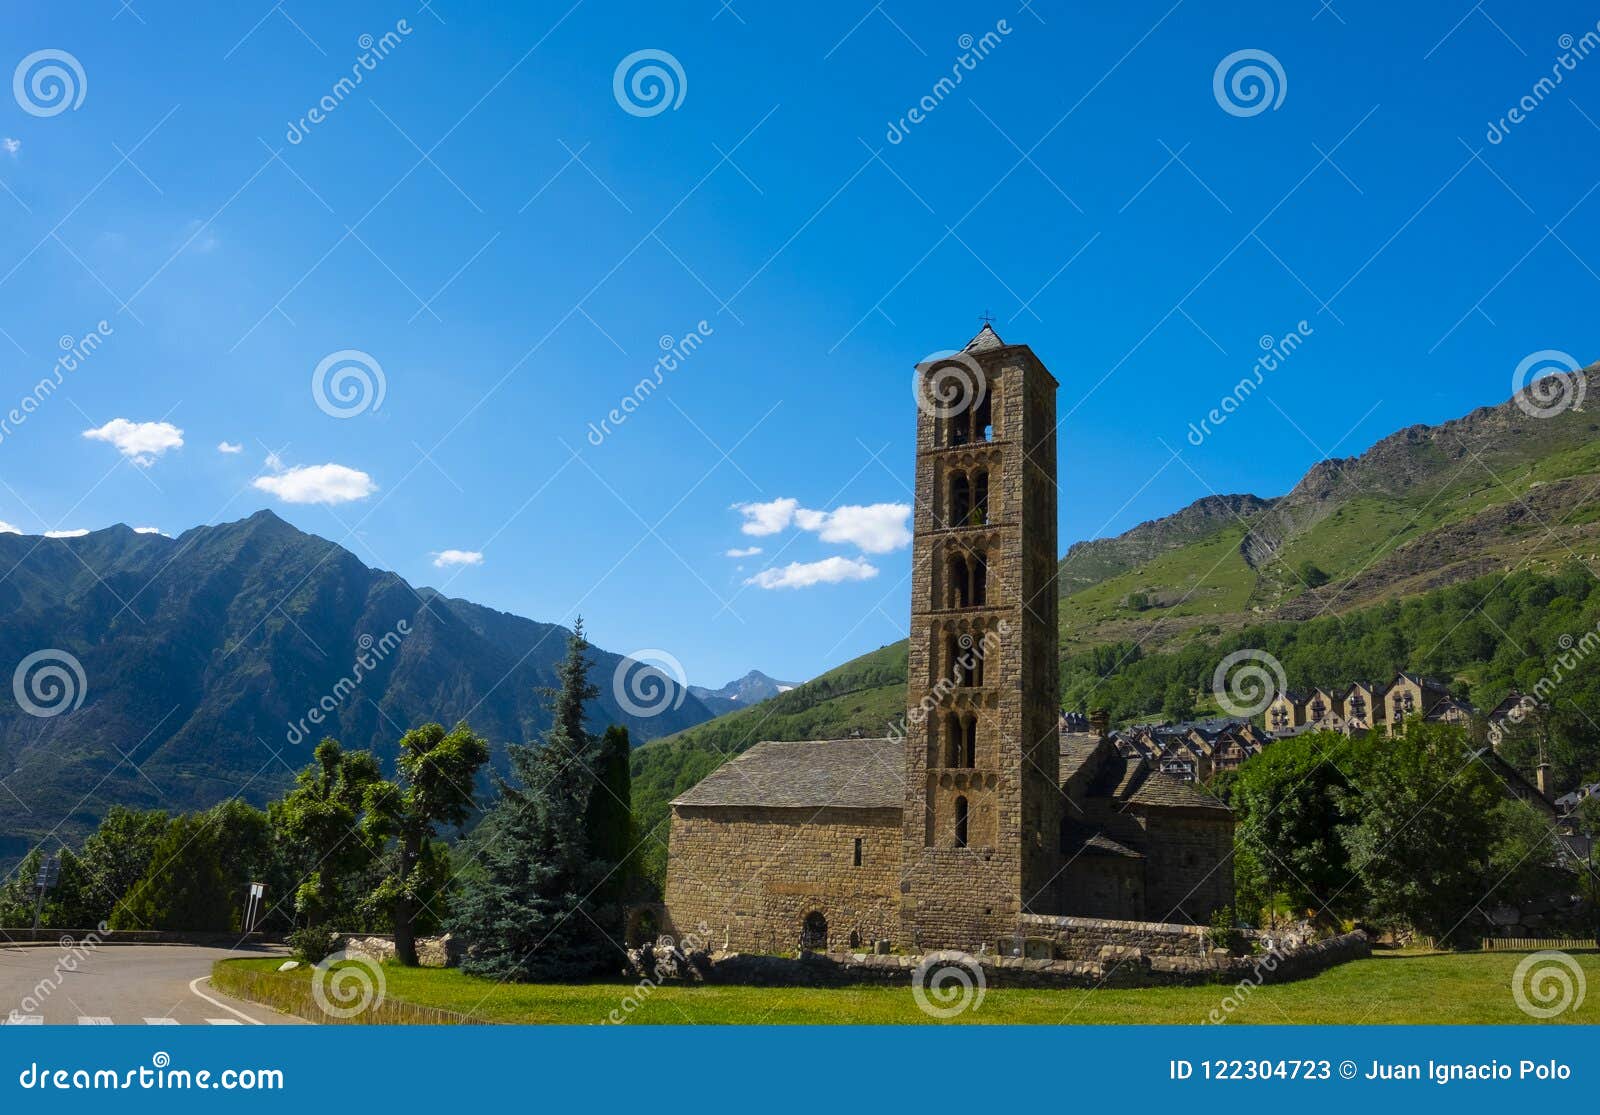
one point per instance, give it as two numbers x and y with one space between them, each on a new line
46 880
252 908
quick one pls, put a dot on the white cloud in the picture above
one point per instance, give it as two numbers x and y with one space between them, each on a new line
444 559
878 528
831 571
318 484
764 519
65 533
7 528
140 442
150 530
12 146
229 447
273 463
751 552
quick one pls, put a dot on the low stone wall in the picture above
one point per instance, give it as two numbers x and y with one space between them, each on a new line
432 952
1085 938
1113 966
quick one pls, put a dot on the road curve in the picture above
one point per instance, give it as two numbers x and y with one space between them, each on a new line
123 985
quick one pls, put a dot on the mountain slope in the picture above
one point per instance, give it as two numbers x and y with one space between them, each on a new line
204 657
1425 506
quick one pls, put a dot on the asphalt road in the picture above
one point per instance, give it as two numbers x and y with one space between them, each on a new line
122 985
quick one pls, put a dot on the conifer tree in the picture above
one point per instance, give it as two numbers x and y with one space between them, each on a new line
529 913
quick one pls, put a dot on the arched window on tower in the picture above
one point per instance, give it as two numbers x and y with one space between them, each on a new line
960 595
960 426
960 499
966 663
969 742
980 580
954 734
983 419
961 822
980 498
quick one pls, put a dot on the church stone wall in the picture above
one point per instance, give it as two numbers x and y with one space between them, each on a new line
752 875
1190 873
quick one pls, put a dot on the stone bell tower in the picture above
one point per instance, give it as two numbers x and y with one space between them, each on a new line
981 842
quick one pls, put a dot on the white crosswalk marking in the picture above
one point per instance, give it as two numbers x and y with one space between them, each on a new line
223 1022
85 1021
161 1022
24 1020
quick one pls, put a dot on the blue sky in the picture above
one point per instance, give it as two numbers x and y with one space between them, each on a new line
485 220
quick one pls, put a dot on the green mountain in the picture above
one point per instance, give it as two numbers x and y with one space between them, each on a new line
1423 509
204 656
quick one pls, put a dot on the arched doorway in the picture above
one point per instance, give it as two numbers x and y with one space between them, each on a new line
814 932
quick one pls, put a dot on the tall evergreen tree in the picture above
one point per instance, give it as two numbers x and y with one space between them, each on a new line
529 914
610 824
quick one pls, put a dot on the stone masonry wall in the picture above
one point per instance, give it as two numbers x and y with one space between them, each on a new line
1119 969
752 875
1190 869
1083 938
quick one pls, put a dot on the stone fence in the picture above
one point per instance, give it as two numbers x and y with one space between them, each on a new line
1114 965
1085 938
432 952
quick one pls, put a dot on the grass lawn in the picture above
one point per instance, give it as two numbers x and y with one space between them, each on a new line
1425 989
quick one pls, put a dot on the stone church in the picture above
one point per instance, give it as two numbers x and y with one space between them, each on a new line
978 810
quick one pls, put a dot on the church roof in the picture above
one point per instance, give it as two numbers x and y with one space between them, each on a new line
986 339
837 774
1107 773
870 774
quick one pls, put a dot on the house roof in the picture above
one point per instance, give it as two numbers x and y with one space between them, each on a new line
837 774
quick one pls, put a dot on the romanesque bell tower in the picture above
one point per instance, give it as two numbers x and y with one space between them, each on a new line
981 842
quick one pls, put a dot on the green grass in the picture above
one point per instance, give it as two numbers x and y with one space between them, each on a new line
1468 988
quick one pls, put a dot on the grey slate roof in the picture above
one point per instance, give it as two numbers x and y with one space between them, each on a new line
841 774
870 774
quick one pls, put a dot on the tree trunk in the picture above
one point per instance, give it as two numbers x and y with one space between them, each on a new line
405 936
